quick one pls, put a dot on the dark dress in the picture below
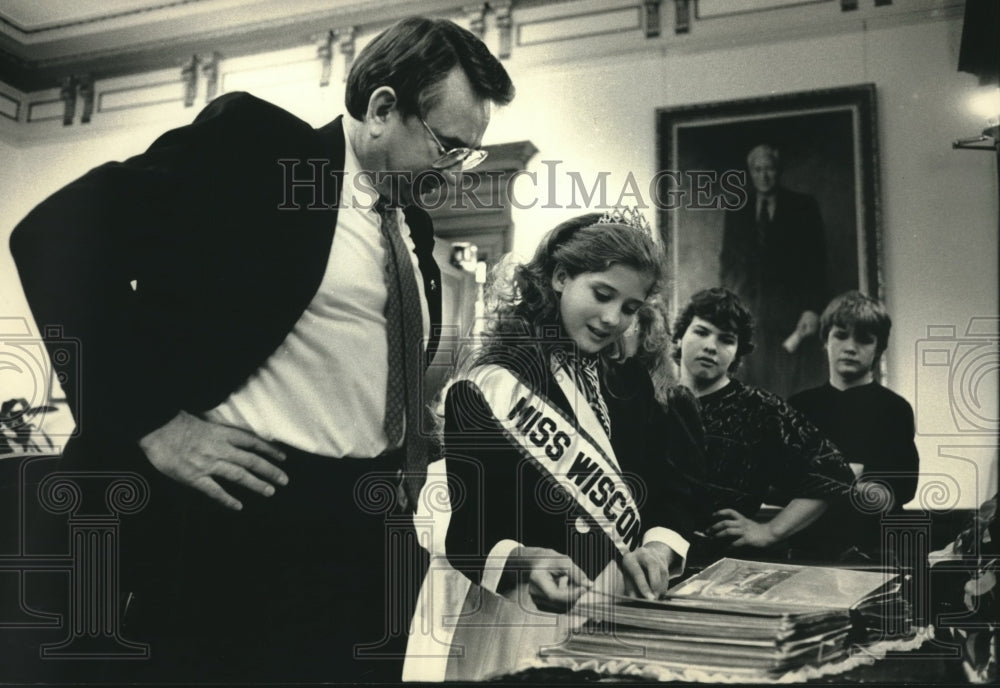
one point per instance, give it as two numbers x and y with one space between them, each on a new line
759 449
505 496
872 426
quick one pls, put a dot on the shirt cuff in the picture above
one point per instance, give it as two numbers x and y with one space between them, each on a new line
674 541
496 562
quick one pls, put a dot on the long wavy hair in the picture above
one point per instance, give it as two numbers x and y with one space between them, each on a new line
524 308
653 346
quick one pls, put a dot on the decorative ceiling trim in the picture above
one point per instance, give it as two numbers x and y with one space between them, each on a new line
9 107
4 21
42 62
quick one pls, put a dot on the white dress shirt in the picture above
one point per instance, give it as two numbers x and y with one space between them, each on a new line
323 390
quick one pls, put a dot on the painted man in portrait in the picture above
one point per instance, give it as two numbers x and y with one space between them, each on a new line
774 257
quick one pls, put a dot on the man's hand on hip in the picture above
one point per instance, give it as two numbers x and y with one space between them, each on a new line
195 452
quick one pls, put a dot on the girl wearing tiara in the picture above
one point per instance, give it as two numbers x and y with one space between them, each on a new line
555 445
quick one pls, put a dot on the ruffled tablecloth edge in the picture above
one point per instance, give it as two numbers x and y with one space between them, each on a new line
858 656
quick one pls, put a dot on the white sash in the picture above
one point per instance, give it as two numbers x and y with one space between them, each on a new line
570 452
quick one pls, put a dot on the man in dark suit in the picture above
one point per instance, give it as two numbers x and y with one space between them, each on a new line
774 258
254 308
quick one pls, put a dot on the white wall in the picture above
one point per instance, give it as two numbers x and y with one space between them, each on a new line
939 206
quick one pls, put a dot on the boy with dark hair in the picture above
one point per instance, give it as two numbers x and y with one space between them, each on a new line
758 449
724 309
871 425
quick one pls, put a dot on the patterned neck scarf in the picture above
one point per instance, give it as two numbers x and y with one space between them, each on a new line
586 374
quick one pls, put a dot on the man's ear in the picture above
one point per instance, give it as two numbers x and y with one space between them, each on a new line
381 105
559 279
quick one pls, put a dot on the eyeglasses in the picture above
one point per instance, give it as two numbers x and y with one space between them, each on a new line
469 157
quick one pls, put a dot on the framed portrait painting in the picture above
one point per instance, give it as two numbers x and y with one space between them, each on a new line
775 198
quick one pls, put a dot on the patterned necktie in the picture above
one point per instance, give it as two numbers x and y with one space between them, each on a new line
763 220
404 337
593 392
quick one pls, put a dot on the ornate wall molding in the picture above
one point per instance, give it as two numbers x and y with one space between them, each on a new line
345 42
210 71
10 107
189 77
67 94
652 17
682 16
532 32
324 53
505 27
86 92
476 16
596 22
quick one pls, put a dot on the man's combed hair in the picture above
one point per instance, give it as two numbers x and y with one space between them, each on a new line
415 55
853 310
725 310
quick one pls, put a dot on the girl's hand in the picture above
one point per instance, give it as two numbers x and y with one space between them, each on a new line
554 581
647 570
747 532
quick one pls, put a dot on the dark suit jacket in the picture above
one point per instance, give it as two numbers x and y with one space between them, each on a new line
789 266
499 494
225 253
778 276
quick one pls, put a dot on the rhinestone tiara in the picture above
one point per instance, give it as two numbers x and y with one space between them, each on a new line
630 217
